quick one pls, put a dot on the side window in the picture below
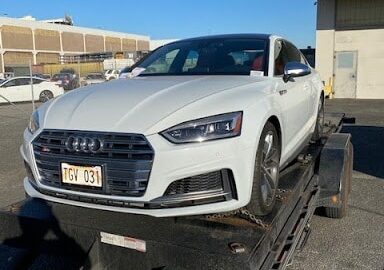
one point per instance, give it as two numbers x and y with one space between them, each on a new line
286 52
162 64
10 83
19 82
190 61
280 58
37 81
25 81
304 60
293 54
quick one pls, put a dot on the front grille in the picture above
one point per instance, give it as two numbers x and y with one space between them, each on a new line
126 160
202 182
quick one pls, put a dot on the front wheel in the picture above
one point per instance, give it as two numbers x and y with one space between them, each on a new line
266 172
318 132
45 96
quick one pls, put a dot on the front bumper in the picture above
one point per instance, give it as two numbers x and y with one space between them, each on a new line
171 163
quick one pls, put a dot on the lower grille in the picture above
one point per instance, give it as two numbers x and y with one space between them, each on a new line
226 192
202 182
126 160
219 182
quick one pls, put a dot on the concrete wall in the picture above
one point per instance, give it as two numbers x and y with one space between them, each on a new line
51 58
48 40
94 43
369 45
142 45
18 58
112 44
14 37
72 42
43 42
129 45
324 54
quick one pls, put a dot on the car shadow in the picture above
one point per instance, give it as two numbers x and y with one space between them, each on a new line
368 144
43 243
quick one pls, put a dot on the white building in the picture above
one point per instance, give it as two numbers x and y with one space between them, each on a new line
27 40
350 47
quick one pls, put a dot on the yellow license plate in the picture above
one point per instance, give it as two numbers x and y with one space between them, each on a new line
81 175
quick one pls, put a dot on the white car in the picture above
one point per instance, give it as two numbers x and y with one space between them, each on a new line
94 78
204 127
18 89
111 74
125 73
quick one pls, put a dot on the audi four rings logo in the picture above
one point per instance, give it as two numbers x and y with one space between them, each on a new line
84 144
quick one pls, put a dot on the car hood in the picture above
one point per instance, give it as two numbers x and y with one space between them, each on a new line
133 105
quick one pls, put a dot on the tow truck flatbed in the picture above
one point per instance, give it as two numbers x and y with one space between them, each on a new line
39 235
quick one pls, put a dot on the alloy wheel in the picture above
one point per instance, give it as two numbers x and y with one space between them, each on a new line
269 168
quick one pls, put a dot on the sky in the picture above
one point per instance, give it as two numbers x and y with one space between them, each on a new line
175 19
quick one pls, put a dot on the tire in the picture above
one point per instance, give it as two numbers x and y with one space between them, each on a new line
266 172
45 96
318 132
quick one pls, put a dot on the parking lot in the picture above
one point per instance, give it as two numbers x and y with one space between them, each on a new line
355 242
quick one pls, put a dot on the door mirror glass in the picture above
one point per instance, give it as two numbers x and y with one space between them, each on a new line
295 69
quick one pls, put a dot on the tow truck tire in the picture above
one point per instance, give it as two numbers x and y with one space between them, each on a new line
318 132
266 172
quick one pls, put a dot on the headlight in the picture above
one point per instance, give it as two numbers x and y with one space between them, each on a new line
34 122
205 129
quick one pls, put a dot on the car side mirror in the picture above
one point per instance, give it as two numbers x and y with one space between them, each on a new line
295 69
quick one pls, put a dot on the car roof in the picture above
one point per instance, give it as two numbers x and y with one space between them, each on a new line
25 77
229 36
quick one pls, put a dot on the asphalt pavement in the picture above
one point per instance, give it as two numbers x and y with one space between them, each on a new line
354 242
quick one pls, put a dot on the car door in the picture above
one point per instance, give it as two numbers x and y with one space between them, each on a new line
309 93
39 85
24 89
292 97
10 91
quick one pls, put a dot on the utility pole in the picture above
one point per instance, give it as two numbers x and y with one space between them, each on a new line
31 82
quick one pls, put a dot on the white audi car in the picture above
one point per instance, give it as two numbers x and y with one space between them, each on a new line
203 125
18 89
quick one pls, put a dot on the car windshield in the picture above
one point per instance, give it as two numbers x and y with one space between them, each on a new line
233 56
125 70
